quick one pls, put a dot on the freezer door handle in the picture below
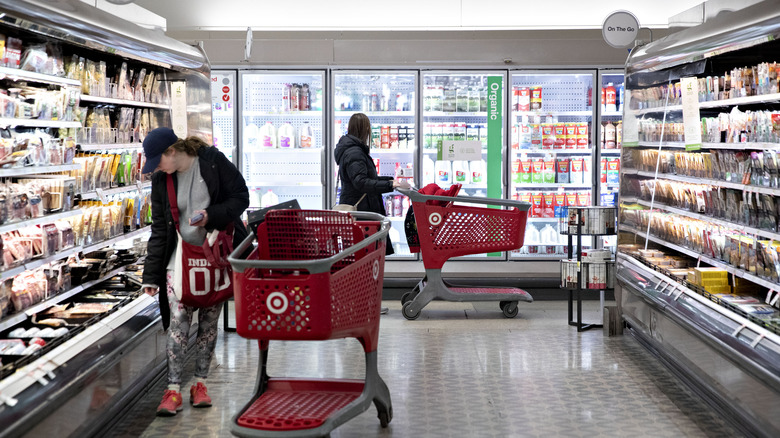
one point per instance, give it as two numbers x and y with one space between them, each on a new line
323 168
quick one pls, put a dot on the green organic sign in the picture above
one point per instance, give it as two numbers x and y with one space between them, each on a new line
495 121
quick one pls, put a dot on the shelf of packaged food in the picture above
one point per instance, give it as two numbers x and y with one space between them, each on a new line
610 151
435 151
35 123
530 186
375 151
699 256
735 146
376 113
117 239
743 229
116 190
17 74
712 182
107 147
540 152
543 113
750 100
18 317
124 102
282 114
36 170
455 114
33 264
612 114
48 219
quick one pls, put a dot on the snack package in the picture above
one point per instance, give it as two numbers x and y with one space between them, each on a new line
13 52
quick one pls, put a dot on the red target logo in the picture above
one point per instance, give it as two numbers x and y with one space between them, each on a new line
434 219
276 302
376 269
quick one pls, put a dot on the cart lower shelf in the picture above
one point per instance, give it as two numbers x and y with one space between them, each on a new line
478 292
293 404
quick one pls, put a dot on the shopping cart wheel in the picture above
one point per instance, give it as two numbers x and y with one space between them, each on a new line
386 417
407 311
509 308
409 296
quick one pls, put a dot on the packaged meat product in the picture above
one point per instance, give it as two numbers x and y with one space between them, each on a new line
53 322
8 346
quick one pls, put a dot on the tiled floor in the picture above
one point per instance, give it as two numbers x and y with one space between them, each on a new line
463 370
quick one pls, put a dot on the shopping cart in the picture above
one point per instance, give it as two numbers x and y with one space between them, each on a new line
315 275
448 230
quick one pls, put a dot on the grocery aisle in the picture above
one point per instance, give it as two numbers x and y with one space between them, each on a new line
462 370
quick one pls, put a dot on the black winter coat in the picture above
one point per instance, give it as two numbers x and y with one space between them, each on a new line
358 175
229 198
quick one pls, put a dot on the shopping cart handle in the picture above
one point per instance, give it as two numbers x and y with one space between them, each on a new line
416 196
312 266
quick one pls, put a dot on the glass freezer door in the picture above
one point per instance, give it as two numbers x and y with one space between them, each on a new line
223 112
610 141
551 154
388 99
456 106
282 137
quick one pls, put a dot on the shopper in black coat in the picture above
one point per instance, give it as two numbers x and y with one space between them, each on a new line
230 197
357 171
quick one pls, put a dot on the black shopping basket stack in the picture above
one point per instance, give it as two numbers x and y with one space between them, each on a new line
315 275
449 230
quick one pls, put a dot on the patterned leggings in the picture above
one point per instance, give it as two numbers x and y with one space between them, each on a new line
179 330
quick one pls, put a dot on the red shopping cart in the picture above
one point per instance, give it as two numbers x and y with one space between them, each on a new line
448 230
315 275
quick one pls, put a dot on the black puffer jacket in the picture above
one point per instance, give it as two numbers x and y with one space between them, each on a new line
358 175
229 198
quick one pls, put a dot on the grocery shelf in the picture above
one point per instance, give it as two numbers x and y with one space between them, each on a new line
33 264
18 317
116 190
284 150
251 183
106 147
527 186
375 113
436 151
112 101
699 256
454 114
735 146
543 219
611 151
120 238
375 151
282 114
37 170
17 74
48 219
717 183
35 123
763 98
743 229
552 151
612 114
543 113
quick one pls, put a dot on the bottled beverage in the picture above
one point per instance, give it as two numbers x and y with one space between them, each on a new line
460 170
251 134
619 134
443 171
304 104
428 169
286 136
269 199
268 136
462 100
374 105
286 97
428 137
603 136
603 99
473 99
376 137
437 103
388 205
611 96
620 91
393 137
402 142
410 136
483 99
398 206
295 97
610 141
449 105
477 169
400 102
306 136
428 98
385 137
460 132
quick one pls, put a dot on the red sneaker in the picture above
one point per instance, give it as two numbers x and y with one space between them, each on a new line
198 396
171 404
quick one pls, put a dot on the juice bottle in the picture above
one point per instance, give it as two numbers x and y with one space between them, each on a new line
306 136
611 98
286 136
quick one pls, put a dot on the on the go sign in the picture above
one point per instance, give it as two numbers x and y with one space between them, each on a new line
620 29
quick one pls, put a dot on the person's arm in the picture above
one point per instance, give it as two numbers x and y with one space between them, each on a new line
231 182
154 266
358 175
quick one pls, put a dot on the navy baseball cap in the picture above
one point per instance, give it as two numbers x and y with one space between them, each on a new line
156 142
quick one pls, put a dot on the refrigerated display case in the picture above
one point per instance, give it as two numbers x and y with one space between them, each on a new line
698 263
465 106
610 134
223 112
551 154
388 98
282 134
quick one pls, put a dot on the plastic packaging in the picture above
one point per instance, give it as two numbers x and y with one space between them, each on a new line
286 136
306 136
267 136
460 170
269 199
443 171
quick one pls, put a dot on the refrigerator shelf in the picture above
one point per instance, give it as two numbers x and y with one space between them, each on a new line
286 150
611 151
735 146
36 123
283 114
543 113
112 101
391 151
612 114
370 114
541 152
282 184
455 114
18 74
526 186
750 100
435 151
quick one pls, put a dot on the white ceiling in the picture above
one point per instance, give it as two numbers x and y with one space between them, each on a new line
332 15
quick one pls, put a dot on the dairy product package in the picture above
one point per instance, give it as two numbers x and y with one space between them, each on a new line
563 170
443 171
477 169
525 171
613 171
548 209
576 172
549 170
460 170
537 200
267 136
286 136
559 204
306 136
537 167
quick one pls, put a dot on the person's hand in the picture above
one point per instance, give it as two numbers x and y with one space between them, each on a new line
152 291
202 222
402 183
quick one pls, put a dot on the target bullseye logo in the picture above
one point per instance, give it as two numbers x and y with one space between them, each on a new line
376 269
276 302
434 219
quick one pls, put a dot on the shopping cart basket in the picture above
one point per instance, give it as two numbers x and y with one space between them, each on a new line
315 275
448 230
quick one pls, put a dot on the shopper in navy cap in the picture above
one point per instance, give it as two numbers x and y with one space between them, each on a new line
209 185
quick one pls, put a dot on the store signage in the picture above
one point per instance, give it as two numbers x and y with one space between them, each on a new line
620 29
495 122
468 150
691 118
221 92
179 108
